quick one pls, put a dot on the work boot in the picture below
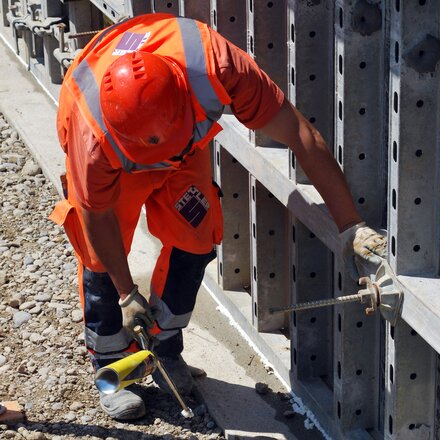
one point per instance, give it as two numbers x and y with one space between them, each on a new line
179 373
126 404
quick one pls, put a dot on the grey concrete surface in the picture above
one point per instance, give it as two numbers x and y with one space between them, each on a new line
212 343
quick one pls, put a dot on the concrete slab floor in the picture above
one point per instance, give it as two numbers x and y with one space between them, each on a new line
212 343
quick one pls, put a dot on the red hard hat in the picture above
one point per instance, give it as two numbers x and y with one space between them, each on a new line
146 105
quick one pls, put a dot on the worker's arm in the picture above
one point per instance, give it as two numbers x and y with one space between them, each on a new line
105 237
291 128
358 240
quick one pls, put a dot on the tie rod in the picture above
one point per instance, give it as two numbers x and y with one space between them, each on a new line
380 293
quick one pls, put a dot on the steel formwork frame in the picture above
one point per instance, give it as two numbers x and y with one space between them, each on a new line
365 73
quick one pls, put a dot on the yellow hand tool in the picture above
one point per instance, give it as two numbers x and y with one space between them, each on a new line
134 368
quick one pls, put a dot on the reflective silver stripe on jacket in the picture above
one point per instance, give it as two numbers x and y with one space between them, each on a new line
86 81
107 344
198 76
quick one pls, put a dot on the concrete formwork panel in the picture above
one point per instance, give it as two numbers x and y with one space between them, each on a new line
410 385
234 253
269 249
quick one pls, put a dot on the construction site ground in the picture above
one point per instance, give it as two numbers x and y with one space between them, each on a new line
43 362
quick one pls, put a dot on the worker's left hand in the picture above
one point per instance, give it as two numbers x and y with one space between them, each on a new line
364 243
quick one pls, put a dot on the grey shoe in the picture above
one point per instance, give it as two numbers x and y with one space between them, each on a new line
179 372
126 404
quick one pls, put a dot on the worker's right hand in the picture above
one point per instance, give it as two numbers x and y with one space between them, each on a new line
134 305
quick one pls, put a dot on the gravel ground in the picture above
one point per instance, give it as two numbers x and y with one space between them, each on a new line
43 361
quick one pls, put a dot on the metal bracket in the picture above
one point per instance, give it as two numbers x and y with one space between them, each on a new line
390 298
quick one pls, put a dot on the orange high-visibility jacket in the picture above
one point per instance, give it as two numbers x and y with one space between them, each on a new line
182 40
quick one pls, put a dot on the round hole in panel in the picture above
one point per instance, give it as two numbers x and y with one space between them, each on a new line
413 376
411 426
422 2
235 195
236 236
358 412
358 372
420 103
271 232
418 153
312 77
417 201
237 270
232 19
313 319
312 274
416 248
361 156
312 120
361 200
313 357
359 324
362 111
272 275
169 5
362 64
312 34
269 4
270 46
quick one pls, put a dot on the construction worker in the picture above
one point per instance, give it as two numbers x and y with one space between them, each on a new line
137 110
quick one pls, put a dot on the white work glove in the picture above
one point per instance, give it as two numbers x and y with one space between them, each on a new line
134 305
364 243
